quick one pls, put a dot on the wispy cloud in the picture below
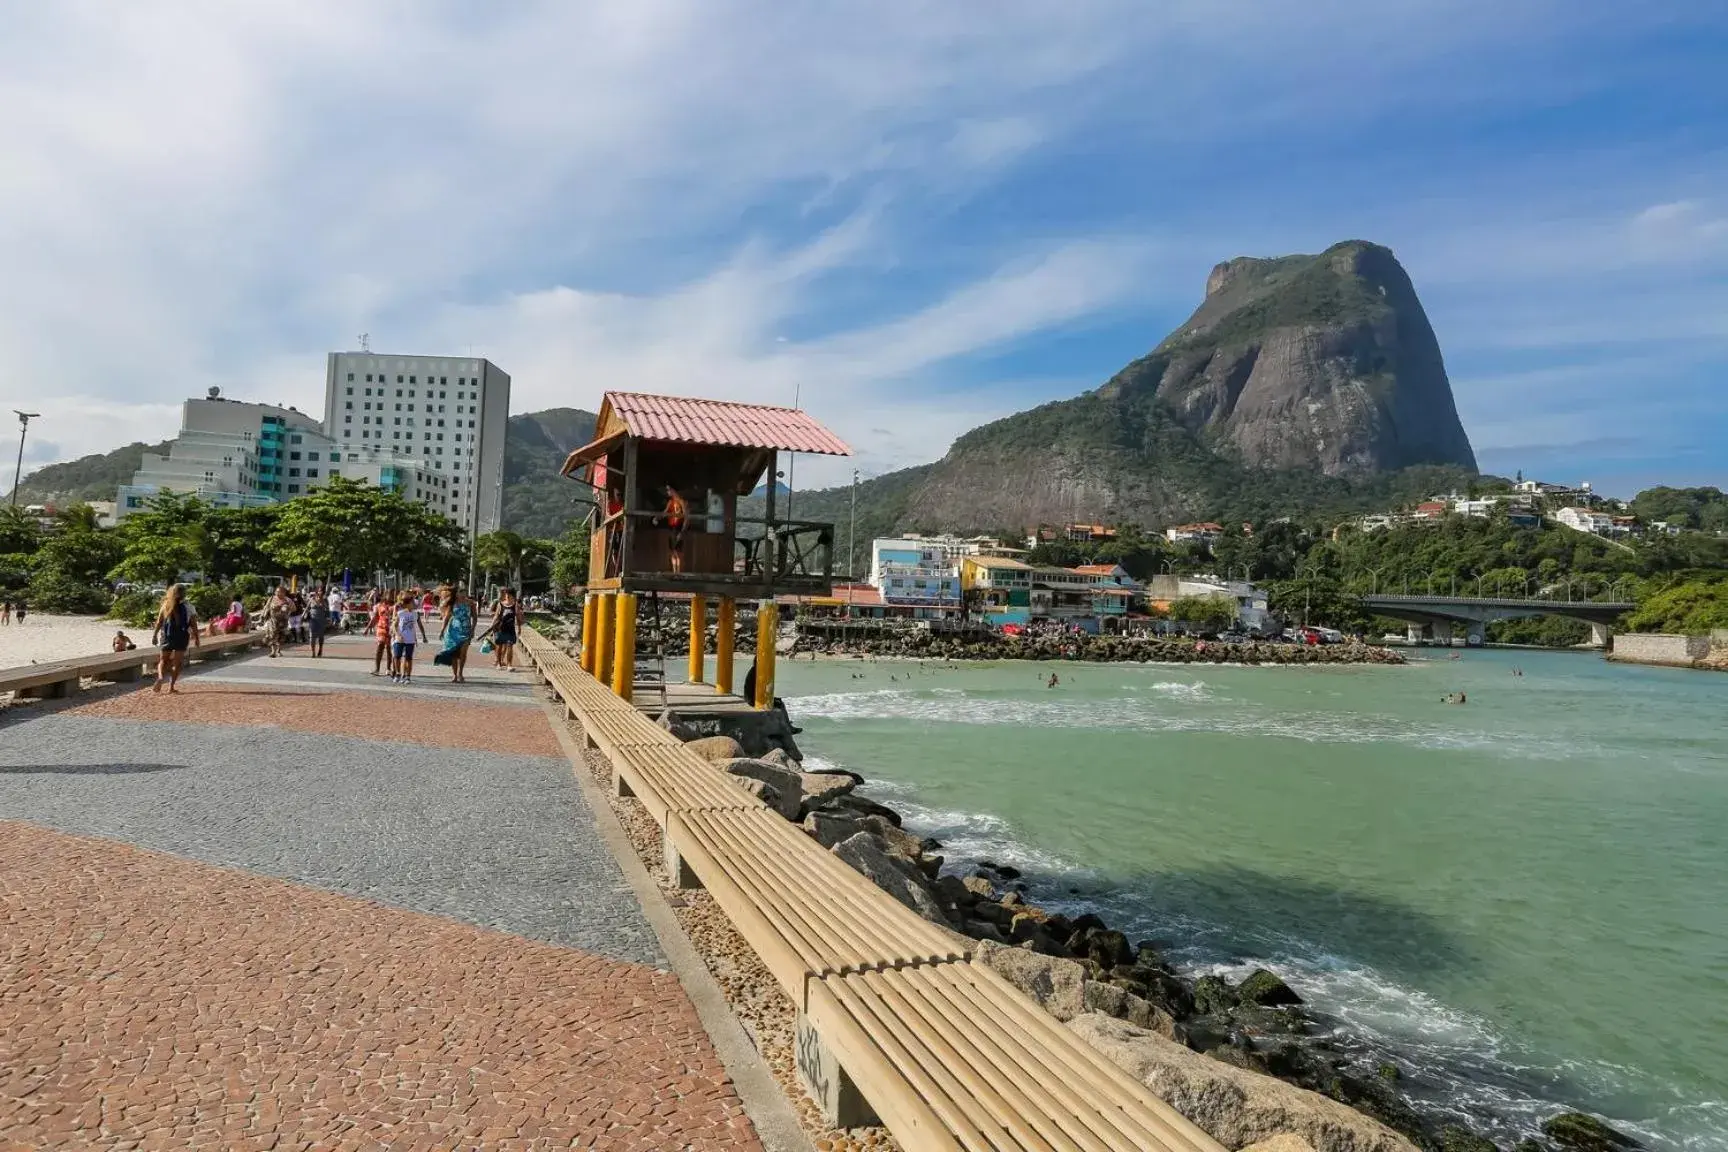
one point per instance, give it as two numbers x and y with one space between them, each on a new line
884 209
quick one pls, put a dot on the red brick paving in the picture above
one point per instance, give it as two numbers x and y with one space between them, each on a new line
368 715
151 1002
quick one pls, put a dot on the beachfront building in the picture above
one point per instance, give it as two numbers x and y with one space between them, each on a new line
1586 520
997 588
450 411
916 574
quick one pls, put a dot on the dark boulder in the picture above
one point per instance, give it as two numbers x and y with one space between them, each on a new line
1266 989
1577 1132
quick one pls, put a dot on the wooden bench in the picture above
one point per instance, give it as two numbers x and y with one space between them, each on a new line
896 1024
669 779
804 910
60 678
951 1057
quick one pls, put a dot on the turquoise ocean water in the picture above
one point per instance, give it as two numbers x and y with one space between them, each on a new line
1525 897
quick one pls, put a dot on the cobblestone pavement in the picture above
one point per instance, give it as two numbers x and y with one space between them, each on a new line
448 723
325 911
154 1002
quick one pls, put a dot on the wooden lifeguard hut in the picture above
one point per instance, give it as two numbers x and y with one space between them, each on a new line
667 473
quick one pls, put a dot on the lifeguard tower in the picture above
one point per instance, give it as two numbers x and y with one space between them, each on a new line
667 473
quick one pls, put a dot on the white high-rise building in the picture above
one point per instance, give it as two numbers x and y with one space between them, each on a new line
449 411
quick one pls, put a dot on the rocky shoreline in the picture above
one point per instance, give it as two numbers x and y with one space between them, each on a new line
1247 1061
920 644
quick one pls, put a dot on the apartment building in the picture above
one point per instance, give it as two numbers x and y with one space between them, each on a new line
449 411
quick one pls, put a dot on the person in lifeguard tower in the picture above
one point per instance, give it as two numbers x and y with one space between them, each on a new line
675 517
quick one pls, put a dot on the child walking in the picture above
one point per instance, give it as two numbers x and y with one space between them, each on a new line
408 628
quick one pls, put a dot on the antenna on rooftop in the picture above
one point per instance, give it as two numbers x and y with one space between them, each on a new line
365 341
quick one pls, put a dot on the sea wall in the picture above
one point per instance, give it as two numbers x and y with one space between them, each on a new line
1664 648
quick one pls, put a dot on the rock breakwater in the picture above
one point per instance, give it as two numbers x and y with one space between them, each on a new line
1247 1060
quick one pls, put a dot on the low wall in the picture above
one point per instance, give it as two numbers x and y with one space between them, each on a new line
1659 648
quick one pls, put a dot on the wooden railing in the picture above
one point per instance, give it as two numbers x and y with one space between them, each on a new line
891 1008
756 549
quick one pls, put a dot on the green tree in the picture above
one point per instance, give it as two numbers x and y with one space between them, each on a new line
1691 608
168 536
239 540
345 524
509 554
1212 613
19 532
570 557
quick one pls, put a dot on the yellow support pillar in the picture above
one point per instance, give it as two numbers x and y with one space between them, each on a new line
590 625
624 648
724 629
698 635
767 631
604 617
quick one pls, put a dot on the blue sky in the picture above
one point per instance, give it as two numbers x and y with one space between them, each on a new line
915 216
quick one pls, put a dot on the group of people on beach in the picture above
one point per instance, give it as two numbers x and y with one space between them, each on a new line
399 624
7 608
397 619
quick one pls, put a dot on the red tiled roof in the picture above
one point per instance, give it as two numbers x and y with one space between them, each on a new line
696 421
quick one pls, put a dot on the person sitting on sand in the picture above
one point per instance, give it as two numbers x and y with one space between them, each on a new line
123 642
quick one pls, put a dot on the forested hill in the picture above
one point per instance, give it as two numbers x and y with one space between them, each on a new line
86 478
537 500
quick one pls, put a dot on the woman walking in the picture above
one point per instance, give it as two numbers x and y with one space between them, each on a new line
456 632
317 620
176 628
505 621
408 628
276 613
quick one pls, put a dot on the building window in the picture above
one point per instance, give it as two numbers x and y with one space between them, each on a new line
293 471
458 407
440 435
335 457
398 420
294 439
350 404
456 436
398 380
368 380
410 407
293 488
312 456
350 391
293 455
470 423
311 472
398 407
350 376
440 396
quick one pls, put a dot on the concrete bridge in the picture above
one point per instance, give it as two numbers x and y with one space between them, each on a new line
1443 615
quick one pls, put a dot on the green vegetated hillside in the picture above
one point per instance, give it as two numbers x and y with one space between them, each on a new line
86 478
537 500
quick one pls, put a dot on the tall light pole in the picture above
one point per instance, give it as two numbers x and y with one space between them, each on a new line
24 419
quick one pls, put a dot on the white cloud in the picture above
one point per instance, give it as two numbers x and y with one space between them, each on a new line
683 195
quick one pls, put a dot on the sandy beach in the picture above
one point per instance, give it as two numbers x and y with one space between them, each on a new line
43 638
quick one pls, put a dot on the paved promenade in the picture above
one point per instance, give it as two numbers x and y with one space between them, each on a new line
296 906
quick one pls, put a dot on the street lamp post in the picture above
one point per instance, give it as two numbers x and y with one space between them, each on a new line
24 419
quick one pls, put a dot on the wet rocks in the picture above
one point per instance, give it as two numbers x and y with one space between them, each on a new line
912 642
1578 1132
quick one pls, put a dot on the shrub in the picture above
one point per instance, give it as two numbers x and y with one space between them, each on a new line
51 590
136 608
208 600
251 585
